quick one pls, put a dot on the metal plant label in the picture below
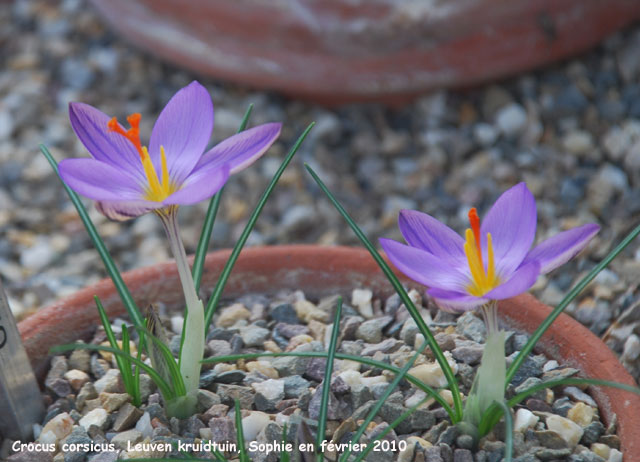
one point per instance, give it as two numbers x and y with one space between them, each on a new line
20 399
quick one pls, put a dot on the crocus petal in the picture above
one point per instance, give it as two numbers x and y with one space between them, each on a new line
183 129
512 224
425 232
455 302
200 185
519 282
562 247
90 126
425 268
122 211
242 149
100 181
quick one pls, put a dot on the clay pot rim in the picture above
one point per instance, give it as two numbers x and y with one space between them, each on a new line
347 267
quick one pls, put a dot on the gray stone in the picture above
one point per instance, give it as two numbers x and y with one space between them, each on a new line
235 376
432 454
253 335
290 365
229 393
268 394
284 313
294 385
462 455
422 419
222 430
289 331
127 417
471 327
545 454
464 442
32 456
592 433
386 346
449 435
81 360
121 440
371 331
316 369
528 383
468 354
219 347
206 399
550 439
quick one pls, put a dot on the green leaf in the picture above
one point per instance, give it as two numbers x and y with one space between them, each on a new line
165 357
284 455
413 311
235 253
573 293
240 434
508 423
125 372
387 392
322 354
326 383
165 388
110 266
210 218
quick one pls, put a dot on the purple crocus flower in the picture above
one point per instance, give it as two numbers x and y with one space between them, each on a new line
127 179
493 261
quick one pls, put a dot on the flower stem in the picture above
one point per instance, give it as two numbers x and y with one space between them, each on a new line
192 349
490 316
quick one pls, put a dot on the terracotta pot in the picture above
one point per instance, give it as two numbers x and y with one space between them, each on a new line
320 271
336 51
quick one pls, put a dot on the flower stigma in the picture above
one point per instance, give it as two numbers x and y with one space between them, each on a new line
156 190
483 279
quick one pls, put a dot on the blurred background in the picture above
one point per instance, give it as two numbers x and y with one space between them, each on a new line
487 107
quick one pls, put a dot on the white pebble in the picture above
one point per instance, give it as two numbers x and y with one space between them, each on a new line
253 424
511 119
270 389
431 374
568 430
361 299
176 324
615 456
550 365
97 417
144 425
524 419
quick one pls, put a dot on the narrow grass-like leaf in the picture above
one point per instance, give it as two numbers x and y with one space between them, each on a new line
284 455
133 387
322 354
235 253
171 363
136 373
413 311
573 293
165 388
123 365
387 430
209 219
244 457
387 392
508 424
326 383
110 266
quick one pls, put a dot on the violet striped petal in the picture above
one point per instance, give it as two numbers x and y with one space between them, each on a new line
200 185
520 281
122 211
424 267
425 232
512 224
559 249
90 125
242 149
183 129
455 302
100 181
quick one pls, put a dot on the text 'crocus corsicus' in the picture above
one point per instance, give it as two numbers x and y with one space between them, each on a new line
493 261
128 179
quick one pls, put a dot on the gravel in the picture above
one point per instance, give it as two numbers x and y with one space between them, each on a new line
571 131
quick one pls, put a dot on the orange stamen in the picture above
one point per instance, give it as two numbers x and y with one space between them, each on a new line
474 221
133 134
